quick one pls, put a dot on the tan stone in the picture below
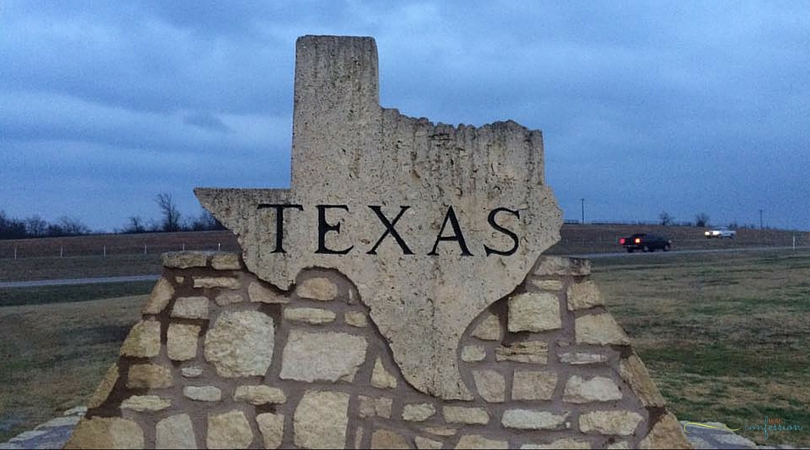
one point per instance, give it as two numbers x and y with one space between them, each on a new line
315 316
150 376
441 431
534 311
143 403
666 433
260 395
561 265
179 280
319 288
622 423
226 261
203 393
320 420
104 388
600 329
546 285
272 428
475 441
216 282
321 356
624 445
426 444
240 344
596 389
106 432
159 299
525 419
181 341
355 319
473 353
175 432
358 437
533 385
397 160
190 308
634 373
584 295
184 260
535 352
418 412
228 298
191 372
386 439
465 415
580 358
261 294
489 329
228 430
380 378
370 406
565 443
490 385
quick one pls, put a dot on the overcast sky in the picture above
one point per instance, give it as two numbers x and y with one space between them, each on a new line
645 107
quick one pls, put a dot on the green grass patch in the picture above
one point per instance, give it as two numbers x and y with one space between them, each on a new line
72 293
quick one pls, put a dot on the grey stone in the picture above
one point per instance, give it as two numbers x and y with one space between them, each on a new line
525 419
190 308
418 412
622 423
595 389
216 282
226 261
325 356
355 319
475 441
260 395
272 428
490 385
489 329
175 432
465 415
380 378
320 420
535 352
533 385
473 353
261 294
203 393
240 344
580 358
228 430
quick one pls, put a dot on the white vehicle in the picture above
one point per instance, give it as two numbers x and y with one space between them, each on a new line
721 232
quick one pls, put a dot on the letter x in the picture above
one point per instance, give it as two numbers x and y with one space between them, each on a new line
389 229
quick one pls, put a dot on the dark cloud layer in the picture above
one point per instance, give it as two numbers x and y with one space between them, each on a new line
659 106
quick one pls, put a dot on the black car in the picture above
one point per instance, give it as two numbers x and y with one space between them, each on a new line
645 243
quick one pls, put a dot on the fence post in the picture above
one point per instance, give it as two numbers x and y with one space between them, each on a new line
184 246
15 252
144 249
61 251
105 251
219 246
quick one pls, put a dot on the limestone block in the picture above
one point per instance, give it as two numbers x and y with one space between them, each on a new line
143 403
475 441
565 443
525 419
190 308
106 432
228 298
175 432
489 329
490 385
104 388
179 280
217 282
534 311
321 356
596 389
355 319
320 420
261 294
272 428
584 295
426 444
666 433
358 437
150 376
228 430
226 261
184 260
546 285
380 378
533 385
441 431
386 439
535 352
191 372
259 395
370 407
634 373
203 393
418 412
624 445
319 288
600 329
240 344
580 358
621 423
159 299
473 353
181 341
561 265
465 415
315 316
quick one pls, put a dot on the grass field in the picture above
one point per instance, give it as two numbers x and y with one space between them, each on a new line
725 336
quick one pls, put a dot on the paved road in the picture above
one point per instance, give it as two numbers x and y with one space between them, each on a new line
682 252
71 281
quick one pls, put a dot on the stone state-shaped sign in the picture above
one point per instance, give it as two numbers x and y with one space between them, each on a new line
432 223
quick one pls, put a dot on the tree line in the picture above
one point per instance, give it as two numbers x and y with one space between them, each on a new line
171 220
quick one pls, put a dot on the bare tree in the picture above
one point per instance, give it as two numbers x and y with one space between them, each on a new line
701 219
205 222
666 218
35 226
169 212
135 225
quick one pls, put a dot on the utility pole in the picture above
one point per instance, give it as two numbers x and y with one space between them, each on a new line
760 220
582 200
